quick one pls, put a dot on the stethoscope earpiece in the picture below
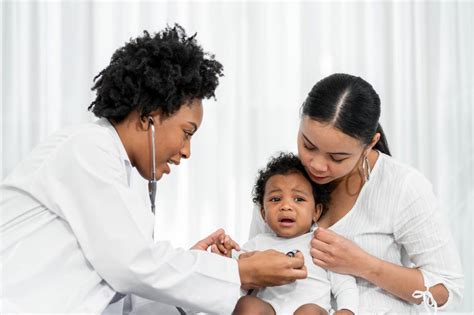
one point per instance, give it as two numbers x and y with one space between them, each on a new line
152 181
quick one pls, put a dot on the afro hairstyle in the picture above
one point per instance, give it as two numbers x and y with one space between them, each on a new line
159 72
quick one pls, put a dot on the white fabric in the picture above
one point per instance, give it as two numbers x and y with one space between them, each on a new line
428 300
418 55
315 289
396 218
73 234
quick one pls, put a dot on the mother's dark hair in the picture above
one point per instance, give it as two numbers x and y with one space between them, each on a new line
159 72
348 103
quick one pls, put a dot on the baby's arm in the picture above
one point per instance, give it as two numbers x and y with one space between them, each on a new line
346 293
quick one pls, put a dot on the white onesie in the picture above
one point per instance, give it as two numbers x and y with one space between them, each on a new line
316 288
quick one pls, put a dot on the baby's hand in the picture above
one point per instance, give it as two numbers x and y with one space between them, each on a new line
224 246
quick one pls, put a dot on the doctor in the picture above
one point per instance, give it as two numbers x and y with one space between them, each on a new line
74 235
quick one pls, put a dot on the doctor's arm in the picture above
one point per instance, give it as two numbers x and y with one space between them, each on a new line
256 268
105 216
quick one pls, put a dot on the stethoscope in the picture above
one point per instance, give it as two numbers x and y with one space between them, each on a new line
152 181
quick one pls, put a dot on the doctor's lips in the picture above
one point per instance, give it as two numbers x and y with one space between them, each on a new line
170 162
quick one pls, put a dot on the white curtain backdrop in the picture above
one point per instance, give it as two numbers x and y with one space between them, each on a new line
417 55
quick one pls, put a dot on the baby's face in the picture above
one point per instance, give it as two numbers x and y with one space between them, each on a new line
288 205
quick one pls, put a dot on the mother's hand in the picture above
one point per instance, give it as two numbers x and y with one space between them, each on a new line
270 268
336 253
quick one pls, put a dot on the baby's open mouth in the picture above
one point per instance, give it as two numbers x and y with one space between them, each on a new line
286 222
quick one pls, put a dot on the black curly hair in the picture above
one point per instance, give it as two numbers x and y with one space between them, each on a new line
284 163
163 71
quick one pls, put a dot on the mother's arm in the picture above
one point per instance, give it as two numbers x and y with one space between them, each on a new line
334 252
420 230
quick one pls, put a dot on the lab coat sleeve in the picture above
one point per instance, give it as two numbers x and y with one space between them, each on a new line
419 228
91 193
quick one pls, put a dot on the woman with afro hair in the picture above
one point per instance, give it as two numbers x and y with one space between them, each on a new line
74 235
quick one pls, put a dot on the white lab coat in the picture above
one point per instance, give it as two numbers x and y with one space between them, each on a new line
74 234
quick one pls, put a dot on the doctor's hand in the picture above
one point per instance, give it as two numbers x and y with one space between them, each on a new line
224 246
204 244
270 268
336 253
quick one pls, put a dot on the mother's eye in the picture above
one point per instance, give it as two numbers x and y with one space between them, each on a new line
309 147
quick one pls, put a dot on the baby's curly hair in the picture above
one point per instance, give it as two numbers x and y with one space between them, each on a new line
284 164
163 71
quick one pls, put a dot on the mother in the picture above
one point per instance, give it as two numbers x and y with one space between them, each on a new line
394 241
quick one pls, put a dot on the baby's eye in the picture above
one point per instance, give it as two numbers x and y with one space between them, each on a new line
299 199
275 199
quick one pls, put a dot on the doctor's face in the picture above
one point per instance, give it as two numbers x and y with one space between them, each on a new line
172 139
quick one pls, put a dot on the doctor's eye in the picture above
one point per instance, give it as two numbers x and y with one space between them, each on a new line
187 135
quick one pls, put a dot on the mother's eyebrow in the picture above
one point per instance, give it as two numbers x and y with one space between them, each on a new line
332 153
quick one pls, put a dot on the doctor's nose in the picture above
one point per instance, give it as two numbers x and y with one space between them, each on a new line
185 151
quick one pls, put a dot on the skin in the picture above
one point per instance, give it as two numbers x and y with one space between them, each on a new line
289 197
286 196
329 155
173 143
172 137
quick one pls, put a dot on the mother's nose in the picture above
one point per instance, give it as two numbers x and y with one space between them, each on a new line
319 164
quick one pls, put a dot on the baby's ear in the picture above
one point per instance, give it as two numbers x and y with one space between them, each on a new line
318 210
262 213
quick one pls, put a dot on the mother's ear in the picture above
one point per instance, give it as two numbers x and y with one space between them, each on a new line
374 140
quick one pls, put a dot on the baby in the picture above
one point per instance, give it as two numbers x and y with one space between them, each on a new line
287 200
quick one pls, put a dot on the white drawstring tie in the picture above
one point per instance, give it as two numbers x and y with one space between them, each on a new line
428 301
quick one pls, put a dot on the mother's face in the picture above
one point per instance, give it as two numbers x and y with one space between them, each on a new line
327 153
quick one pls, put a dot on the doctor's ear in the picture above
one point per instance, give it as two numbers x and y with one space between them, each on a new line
144 122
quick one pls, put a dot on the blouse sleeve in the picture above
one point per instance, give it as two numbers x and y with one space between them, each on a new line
86 185
421 230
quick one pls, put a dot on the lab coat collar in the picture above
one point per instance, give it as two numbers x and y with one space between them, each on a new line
104 122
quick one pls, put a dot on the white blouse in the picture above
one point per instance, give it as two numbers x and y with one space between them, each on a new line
73 234
396 218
